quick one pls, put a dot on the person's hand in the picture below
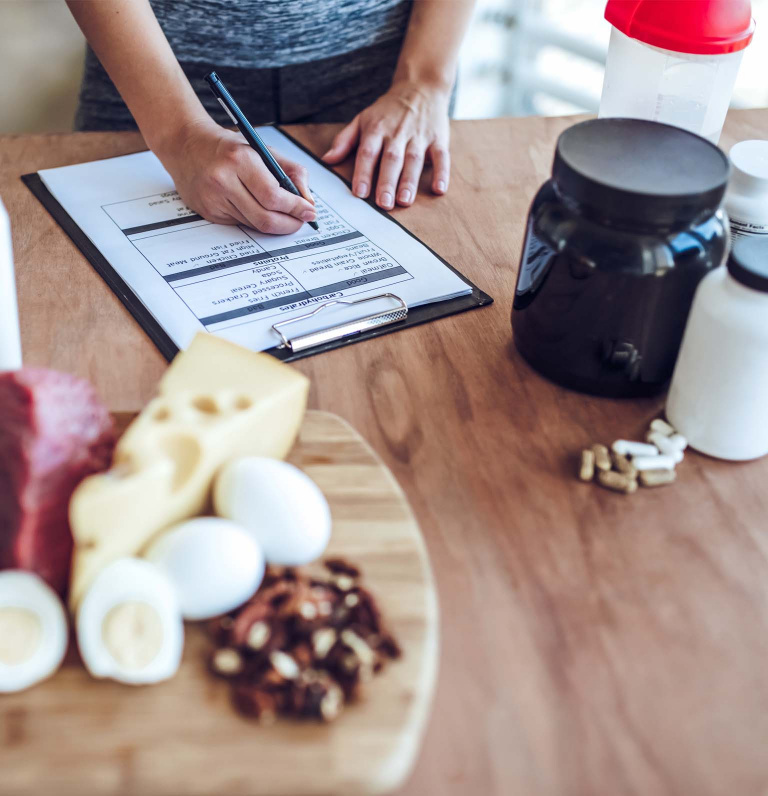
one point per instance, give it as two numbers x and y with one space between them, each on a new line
400 130
220 177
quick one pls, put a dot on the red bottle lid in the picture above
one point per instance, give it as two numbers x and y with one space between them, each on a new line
704 27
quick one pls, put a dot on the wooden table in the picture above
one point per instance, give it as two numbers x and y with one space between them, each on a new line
591 643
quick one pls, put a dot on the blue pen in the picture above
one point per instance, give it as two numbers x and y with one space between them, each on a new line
252 137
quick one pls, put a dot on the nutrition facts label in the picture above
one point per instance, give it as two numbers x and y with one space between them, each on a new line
192 275
230 275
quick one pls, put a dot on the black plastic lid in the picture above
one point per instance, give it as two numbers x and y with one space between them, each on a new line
748 262
639 173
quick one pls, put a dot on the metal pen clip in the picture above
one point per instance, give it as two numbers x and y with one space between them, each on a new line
332 333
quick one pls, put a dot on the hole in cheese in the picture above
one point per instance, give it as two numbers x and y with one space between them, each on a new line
186 453
243 402
206 404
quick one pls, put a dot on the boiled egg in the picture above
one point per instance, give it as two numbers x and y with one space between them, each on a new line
280 506
129 626
214 565
33 630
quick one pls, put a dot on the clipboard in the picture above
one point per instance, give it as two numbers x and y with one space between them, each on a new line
289 348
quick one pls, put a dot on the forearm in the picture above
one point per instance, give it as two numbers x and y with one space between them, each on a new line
130 44
431 48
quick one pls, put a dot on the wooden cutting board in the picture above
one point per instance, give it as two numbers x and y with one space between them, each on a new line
75 735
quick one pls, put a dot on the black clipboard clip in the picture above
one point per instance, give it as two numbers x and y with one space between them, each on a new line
336 332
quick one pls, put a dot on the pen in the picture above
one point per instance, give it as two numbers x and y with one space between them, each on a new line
252 137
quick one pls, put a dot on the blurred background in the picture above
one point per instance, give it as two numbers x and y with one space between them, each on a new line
521 57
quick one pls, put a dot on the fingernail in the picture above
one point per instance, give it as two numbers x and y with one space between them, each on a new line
308 215
362 189
441 185
405 195
386 199
327 153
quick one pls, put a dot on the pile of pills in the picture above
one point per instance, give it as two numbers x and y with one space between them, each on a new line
628 463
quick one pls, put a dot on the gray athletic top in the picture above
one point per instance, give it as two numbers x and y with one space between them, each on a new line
273 33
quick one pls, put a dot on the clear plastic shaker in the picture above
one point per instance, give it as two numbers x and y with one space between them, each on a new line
675 61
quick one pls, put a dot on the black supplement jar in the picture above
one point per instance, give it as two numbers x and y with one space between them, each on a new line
616 244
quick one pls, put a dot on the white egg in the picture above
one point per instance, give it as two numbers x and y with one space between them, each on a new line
214 564
129 626
33 630
282 508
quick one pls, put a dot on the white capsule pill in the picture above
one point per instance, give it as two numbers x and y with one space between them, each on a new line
665 446
662 427
679 441
627 447
653 462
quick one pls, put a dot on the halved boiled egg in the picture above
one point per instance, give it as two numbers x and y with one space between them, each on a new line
33 630
129 625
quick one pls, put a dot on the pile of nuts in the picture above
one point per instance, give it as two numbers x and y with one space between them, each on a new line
302 646
651 463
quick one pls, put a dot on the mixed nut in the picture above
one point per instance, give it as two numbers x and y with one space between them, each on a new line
303 645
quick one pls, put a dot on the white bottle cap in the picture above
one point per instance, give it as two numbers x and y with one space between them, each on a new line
750 167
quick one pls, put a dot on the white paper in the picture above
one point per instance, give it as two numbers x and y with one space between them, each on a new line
231 280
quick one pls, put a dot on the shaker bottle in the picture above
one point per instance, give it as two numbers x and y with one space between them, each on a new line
675 61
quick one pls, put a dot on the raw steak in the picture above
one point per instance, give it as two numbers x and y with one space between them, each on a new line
54 431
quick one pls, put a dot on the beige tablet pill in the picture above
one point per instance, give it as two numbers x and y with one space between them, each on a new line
618 482
649 478
623 465
587 468
602 457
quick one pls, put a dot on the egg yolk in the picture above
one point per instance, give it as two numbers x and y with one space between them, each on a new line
20 635
132 633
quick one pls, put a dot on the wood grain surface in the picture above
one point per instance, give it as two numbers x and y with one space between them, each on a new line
74 735
591 643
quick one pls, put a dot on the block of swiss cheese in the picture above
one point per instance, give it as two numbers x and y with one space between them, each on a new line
215 402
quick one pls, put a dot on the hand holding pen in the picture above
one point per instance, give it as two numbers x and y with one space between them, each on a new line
227 102
223 179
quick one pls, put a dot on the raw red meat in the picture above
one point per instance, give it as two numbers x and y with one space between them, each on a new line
54 431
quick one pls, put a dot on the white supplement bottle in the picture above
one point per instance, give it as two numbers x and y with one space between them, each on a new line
746 200
719 393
